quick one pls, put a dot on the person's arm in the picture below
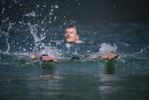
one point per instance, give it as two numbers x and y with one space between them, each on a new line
43 58
109 56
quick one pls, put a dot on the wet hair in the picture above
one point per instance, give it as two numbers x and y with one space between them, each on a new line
73 27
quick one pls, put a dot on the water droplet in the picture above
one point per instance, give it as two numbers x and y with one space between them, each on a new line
44 5
32 14
55 18
88 51
56 6
24 49
42 29
50 13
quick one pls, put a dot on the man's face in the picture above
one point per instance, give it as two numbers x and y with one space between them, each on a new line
71 35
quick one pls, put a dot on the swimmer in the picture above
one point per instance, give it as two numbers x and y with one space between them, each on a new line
43 58
71 36
46 58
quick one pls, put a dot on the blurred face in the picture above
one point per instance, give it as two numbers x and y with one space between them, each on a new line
71 35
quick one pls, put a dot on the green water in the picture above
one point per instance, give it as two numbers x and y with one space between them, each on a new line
65 81
31 27
127 77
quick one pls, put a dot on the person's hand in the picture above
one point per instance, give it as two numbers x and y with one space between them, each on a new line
110 56
47 58
32 56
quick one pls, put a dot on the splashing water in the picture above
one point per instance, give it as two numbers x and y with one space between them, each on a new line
52 52
6 34
32 14
32 17
68 45
40 47
37 40
104 50
38 19
28 26
107 48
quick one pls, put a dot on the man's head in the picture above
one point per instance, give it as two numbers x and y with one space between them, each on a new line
71 34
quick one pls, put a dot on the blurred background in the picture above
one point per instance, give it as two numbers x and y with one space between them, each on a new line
81 10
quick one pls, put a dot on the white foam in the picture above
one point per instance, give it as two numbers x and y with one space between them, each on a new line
37 40
104 50
51 51
68 45
107 48
40 47
32 14
8 45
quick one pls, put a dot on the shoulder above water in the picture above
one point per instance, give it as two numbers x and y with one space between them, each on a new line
76 42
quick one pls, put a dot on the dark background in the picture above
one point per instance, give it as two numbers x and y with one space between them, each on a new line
80 10
113 10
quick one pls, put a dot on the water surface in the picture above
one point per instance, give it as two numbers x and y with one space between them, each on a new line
34 32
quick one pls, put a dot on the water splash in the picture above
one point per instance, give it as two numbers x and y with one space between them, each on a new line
51 51
6 34
8 45
37 40
28 23
40 47
32 14
107 48
68 45
104 50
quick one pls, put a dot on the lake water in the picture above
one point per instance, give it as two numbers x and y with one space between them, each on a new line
29 30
